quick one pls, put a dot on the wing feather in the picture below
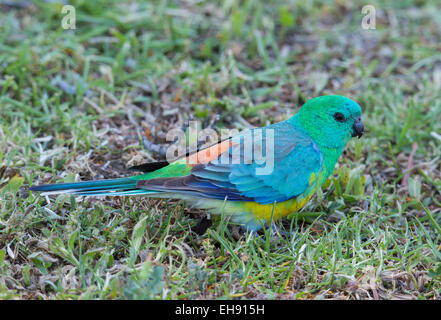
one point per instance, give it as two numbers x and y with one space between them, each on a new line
234 174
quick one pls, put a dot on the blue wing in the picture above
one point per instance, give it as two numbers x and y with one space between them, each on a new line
265 165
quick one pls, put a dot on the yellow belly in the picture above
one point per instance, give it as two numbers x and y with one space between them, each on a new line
252 214
280 209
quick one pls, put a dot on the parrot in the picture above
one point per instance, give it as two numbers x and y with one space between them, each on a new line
256 176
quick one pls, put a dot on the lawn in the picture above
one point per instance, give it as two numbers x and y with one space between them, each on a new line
78 105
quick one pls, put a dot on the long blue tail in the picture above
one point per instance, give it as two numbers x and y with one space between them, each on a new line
109 187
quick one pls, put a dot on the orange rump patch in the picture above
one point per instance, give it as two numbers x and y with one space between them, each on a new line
208 154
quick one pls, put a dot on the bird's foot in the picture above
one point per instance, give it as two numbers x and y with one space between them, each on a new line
274 232
277 232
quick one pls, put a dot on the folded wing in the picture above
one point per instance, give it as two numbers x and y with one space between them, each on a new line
264 165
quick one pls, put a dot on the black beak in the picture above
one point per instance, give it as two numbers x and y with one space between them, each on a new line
358 128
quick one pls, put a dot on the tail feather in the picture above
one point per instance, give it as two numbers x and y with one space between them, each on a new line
127 192
109 187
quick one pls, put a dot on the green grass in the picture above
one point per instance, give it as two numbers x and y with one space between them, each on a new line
146 67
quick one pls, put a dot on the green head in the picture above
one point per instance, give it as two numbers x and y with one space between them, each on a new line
330 120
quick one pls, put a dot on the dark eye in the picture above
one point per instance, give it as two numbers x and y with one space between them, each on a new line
339 117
